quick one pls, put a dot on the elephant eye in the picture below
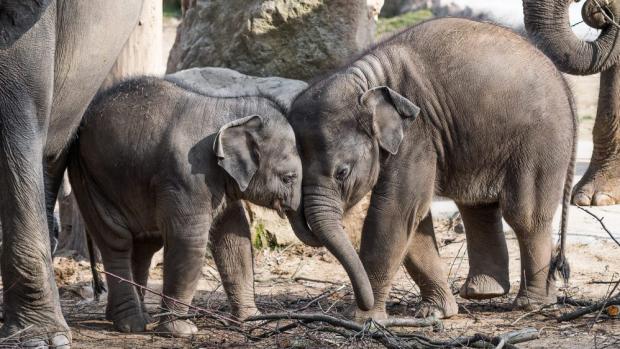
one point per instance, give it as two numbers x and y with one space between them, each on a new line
342 173
289 178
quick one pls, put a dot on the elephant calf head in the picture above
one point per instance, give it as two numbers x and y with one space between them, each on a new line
342 130
260 155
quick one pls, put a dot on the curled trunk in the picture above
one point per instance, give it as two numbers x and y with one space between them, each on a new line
548 23
324 215
301 229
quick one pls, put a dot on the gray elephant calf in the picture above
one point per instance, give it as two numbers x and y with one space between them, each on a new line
452 107
161 164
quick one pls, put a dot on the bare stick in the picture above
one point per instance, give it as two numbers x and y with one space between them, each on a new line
600 220
301 278
589 309
321 296
196 308
2 340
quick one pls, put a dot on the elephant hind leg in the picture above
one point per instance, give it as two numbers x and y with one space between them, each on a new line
529 209
141 257
115 244
488 255
423 263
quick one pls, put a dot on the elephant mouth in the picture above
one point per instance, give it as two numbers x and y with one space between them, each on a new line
277 206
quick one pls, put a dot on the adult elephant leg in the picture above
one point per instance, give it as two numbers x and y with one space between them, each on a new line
488 255
32 314
31 300
425 267
600 185
232 250
185 243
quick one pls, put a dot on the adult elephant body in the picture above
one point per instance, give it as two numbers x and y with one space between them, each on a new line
53 57
495 132
548 23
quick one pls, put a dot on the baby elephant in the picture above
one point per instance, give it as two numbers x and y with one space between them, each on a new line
453 107
160 164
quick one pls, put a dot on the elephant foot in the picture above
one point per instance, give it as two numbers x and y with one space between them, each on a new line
361 316
147 317
34 336
131 324
597 188
484 286
176 328
440 310
531 300
242 313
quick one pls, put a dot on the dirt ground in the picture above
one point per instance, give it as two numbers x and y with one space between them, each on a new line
283 282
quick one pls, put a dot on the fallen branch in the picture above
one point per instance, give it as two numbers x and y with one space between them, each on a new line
301 278
596 307
378 330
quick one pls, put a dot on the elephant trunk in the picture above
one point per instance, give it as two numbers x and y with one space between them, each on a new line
324 214
301 229
548 23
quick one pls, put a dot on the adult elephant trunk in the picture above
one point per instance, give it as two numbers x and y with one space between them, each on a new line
548 23
323 210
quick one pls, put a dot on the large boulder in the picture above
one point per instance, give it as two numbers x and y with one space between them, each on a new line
295 39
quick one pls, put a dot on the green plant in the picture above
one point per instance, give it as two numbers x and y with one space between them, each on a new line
172 8
394 24
264 239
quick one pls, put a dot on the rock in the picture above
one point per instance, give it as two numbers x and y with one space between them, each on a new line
295 39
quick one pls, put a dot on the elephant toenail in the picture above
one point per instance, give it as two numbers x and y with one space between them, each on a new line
603 199
581 199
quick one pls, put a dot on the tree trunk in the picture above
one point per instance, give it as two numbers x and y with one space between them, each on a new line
141 55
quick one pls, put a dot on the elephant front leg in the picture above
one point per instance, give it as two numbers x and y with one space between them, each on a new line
185 243
393 213
488 255
232 250
426 269
600 185
31 303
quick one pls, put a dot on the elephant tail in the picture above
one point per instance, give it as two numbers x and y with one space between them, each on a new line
98 285
559 264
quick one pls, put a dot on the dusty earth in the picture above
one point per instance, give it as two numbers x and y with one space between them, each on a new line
290 277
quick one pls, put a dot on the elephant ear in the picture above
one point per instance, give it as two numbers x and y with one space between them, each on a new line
387 109
236 149
17 17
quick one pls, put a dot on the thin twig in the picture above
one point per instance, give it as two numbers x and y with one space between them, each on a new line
197 308
2 340
600 220
321 296
302 278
